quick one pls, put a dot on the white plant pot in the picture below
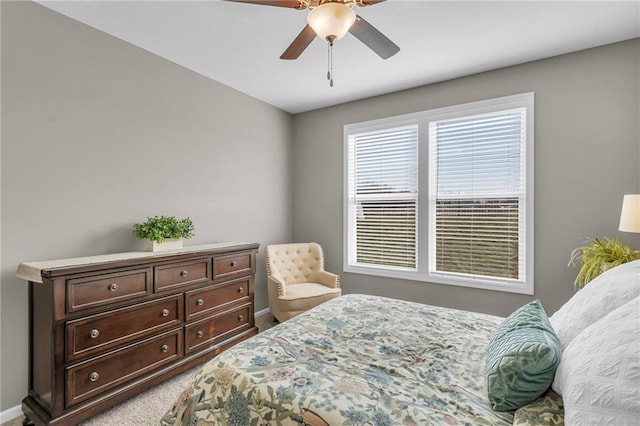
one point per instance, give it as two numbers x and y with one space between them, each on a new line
168 244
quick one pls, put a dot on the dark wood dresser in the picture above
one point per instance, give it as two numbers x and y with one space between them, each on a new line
104 328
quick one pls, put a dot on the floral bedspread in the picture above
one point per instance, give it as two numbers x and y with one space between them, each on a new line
355 360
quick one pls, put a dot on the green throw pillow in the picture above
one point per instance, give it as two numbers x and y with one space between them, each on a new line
522 358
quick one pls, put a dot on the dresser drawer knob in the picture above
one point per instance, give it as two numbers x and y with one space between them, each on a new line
94 376
184 273
199 302
240 290
240 318
165 313
113 287
164 348
94 333
199 333
234 263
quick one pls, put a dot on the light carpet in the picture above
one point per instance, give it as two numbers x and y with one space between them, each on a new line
146 408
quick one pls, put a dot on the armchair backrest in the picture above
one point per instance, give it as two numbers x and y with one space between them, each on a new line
293 263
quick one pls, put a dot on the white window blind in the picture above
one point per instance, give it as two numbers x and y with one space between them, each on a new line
443 196
382 197
478 195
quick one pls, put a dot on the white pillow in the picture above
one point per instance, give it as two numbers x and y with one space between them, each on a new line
602 295
599 372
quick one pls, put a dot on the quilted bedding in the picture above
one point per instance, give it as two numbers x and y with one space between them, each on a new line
356 360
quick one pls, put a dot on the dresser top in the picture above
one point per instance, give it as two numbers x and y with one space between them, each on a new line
33 271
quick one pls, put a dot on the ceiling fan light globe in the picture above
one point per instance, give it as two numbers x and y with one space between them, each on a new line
331 20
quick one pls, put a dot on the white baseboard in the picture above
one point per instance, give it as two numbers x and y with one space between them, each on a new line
10 414
262 312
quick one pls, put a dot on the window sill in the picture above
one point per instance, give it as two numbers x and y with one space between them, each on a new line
508 286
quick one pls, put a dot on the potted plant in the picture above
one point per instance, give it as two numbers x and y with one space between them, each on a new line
164 232
599 255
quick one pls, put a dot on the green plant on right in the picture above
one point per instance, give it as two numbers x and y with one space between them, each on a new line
599 255
159 228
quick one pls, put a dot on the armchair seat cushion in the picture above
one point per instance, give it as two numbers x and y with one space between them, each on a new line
304 296
308 290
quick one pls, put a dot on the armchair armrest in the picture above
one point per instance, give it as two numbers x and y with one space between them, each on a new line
325 278
279 285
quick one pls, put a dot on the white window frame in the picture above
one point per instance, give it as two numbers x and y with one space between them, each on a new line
423 272
350 263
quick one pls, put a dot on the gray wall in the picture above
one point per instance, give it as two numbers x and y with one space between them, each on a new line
98 134
587 151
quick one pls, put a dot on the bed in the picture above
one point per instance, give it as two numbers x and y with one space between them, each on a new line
366 360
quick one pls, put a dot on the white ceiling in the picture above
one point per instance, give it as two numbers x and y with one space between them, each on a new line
239 44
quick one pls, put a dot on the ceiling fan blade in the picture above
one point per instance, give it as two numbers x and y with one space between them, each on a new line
374 39
293 4
368 2
300 43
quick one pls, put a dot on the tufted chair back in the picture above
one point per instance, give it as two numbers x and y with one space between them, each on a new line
294 263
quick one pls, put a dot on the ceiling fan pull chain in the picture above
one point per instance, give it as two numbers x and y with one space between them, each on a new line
330 64
328 61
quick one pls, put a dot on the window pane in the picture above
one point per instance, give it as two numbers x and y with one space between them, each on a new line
479 195
480 154
478 236
383 187
386 233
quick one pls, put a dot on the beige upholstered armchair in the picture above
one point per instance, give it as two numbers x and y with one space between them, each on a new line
296 279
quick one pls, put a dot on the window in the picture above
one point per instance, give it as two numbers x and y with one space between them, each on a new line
383 197
444 195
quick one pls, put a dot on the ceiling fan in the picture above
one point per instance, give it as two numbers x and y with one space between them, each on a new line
331 20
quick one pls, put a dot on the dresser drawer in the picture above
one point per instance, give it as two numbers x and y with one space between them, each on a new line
224 266
203 302
108 371
168 277
105 331
208 331
96 290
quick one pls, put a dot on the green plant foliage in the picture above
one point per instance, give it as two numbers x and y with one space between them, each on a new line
159 228
597 256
